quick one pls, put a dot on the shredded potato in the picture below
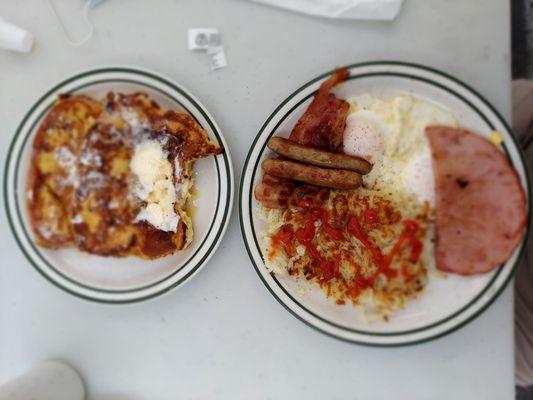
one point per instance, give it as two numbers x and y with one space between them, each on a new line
358 276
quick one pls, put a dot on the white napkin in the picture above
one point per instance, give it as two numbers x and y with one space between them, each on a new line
345 9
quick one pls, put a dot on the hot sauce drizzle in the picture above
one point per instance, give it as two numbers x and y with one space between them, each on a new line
354 228
371 217
416 250
409 231
283 236
305 235
330 230
326 269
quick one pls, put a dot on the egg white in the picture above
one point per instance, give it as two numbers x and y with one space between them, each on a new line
390 133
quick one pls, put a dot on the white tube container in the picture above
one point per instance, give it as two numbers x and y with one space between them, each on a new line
14 38
50 380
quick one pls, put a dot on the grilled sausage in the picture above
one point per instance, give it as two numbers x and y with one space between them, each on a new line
333 178
321 158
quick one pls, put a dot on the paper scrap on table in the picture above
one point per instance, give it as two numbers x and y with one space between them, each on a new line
217 57
208 39
203 38
380 10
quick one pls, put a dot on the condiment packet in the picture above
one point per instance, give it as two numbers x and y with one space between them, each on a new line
208 39
203 38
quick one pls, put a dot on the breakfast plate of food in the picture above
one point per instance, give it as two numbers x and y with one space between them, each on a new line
385 203
118 185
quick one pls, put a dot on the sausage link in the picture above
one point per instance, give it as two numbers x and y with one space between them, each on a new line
321 158
327 177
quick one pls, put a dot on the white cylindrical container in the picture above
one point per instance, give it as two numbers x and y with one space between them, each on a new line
14 38
50 380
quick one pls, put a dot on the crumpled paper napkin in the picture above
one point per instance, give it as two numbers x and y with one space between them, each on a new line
381 10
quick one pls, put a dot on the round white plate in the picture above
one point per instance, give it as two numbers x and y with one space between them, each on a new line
446 304
122 280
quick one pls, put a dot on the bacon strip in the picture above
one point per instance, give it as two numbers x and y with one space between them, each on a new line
322 125
274 192
282 193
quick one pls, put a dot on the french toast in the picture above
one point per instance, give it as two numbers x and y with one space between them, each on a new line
52 178
111 207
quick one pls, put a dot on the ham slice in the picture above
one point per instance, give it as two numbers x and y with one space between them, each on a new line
480 202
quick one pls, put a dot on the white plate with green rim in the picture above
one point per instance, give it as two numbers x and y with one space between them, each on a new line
130 279
446 304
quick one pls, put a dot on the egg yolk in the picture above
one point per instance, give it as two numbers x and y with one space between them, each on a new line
362 138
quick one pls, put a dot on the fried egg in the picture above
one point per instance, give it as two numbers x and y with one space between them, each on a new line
390 133
362 137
